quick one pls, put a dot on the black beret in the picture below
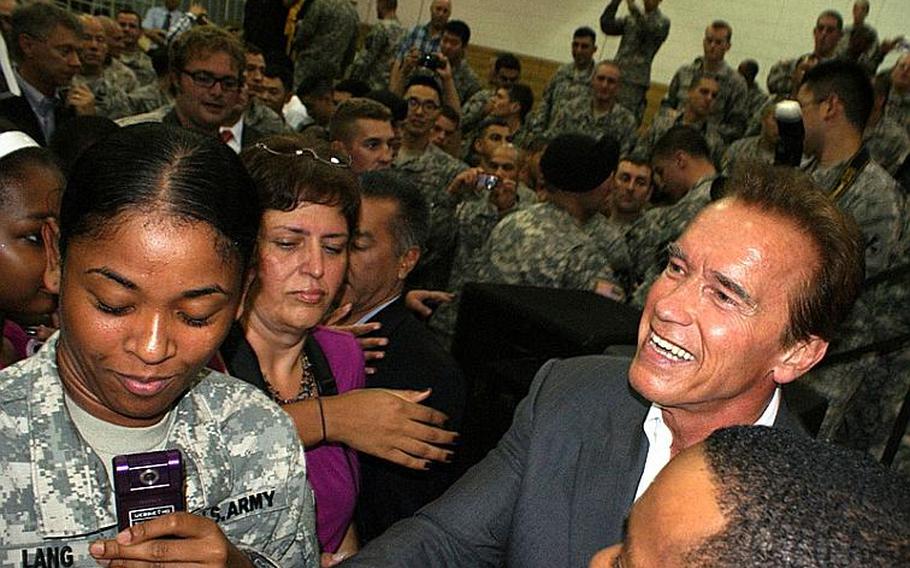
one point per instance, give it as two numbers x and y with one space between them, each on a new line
578 163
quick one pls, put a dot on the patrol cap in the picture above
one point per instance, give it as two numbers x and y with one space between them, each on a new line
579 163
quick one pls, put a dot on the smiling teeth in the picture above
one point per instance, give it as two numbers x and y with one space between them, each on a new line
670 350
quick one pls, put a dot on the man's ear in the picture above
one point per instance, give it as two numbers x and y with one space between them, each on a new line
798 359
407 262
50 234
26 44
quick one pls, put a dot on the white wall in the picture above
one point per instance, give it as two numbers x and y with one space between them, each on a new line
765 30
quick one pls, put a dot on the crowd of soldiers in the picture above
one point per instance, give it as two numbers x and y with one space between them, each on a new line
577 189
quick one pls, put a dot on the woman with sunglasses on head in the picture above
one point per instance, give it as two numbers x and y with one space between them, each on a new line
310 208
157 226
311 203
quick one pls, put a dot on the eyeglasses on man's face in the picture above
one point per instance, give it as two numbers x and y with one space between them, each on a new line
206 80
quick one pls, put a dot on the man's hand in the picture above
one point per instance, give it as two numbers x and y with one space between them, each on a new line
423 302
410 61
464 183
389 424
178 538
82 100
445 72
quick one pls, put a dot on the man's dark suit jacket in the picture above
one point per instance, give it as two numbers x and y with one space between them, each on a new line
413 360
19 112
555 490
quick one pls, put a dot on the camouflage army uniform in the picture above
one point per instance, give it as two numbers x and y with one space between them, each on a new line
472 111
667 120
141 65
888 144
263 119
864 386
648 237
755 100
373 63
543 246
780 76
750 148
244 466
875 202
147 98
567 83
577 115
465 79
123 76
476 218
898 108
111 99
729 115
324 40
432 171
642 36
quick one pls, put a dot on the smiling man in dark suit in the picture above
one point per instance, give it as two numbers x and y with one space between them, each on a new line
394 221
752 292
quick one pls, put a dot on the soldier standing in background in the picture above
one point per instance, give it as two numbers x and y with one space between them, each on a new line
642 35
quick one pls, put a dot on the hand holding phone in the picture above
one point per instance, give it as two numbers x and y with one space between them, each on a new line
175 538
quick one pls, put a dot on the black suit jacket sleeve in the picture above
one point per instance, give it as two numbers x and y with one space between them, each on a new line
413 360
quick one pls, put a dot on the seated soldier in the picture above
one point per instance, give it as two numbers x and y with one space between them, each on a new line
362 130
750 496
110 95
597 112
758 148
505 73
132 55
492 133
632 186
694 112
431 170
682 163
447 131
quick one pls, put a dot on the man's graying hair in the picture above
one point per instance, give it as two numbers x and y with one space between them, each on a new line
411 225
38 20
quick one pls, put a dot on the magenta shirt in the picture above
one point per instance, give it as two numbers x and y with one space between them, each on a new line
333 469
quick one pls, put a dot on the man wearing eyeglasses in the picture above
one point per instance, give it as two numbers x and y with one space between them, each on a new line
432 170
836 99
785 75
45 43
206 65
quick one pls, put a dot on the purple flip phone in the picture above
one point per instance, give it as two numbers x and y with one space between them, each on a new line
147 486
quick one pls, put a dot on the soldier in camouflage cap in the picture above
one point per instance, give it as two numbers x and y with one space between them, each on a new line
155 235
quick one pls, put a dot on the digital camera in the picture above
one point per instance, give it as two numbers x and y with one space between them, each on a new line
487 181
